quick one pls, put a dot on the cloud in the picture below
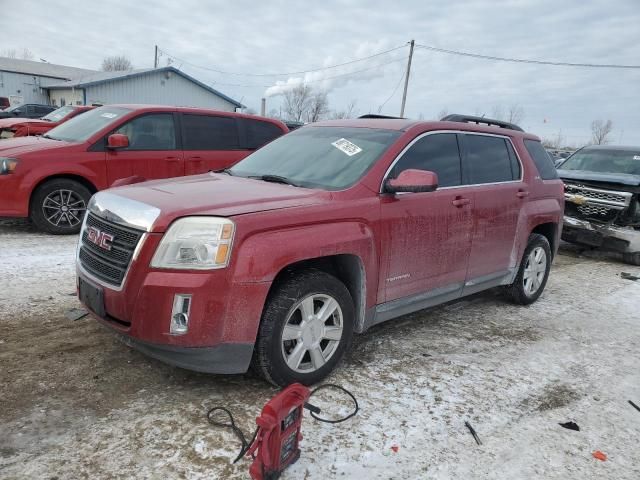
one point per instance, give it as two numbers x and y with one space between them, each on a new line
332 78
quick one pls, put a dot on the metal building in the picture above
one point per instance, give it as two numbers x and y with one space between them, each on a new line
25 81
165 86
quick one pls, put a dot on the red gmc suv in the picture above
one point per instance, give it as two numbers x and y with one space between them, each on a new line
324 232
51 178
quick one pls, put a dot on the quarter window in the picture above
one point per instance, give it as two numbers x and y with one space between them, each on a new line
544 164
488 160
150 132
437 153
205 132
259 133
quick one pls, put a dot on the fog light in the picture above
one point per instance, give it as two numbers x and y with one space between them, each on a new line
180 314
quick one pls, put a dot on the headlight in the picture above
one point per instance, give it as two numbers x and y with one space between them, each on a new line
200 243
7 165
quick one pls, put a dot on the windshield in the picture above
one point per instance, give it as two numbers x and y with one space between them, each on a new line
604 161
58 114
11 109
81 127
331 158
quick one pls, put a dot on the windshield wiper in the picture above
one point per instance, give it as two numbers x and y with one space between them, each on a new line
275 179
224 170
46 135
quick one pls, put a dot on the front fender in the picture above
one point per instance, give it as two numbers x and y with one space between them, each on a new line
260 257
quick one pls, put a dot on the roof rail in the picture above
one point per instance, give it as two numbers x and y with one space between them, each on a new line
375 115
480 120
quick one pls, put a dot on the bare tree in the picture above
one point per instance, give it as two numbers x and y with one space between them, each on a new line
116 63
349 112
442 113
318 107
600 130
554 142
273 113
512 114
297 102
24 54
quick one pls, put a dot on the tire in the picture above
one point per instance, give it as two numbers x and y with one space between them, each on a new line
529 283
632 258
307 347
58 206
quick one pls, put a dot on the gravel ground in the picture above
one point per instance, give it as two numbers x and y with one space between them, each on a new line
78 404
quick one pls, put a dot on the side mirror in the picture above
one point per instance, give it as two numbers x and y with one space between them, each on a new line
17 112
117 140
412 180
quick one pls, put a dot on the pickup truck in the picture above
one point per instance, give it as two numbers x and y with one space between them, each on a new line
335 227
602 193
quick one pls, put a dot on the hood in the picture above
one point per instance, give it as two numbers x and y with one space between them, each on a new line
13 147
215 194
10 122
619 178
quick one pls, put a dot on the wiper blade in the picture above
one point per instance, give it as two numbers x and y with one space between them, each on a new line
46 135
224 170
275 179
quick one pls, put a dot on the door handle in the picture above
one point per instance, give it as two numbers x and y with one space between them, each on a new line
522 194
460 202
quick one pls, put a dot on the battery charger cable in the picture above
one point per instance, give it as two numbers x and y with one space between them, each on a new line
313 410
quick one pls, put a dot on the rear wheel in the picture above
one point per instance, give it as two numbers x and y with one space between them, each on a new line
533 272
306 327
58 206
632 258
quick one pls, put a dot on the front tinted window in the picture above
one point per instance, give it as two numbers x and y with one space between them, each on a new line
205 132
541 158
332 158
58 114
150 132
488 160
437 153
259 133
604 161
81 127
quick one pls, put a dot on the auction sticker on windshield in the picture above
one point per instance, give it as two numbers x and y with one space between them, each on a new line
109 115
347 147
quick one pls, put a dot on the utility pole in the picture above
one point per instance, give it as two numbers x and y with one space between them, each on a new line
406 77
155 58
263 107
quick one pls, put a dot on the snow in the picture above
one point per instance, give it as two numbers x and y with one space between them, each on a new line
78 404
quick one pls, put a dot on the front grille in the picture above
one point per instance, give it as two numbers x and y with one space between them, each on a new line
110 266
589 210
617 199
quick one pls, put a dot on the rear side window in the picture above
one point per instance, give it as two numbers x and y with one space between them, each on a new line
541 158
488 160
206 132
437 153
259 133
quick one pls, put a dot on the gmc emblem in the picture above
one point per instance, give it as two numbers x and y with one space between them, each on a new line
100 238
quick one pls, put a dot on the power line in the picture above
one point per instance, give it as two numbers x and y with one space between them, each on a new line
284 73
392 93
523 60
320 79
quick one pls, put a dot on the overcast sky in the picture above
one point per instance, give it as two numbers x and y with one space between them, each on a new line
278 36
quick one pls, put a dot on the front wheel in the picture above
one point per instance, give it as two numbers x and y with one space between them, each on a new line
533 272
58 206
306 327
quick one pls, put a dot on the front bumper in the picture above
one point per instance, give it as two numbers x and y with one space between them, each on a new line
607 237
225 358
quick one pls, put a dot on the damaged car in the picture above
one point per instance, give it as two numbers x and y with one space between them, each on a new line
602 199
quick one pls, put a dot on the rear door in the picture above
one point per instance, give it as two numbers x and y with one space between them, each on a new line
494 173
153 150
210 142
427 236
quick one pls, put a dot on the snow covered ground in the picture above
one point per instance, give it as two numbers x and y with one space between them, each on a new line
78 404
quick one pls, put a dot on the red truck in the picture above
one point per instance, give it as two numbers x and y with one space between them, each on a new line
23 127
324 232
51 178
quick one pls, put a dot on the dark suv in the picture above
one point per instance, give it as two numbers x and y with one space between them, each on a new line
28 110
326 231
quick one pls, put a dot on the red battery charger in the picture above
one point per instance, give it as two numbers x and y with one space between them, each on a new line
276 444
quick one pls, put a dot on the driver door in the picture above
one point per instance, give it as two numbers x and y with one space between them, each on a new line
427 236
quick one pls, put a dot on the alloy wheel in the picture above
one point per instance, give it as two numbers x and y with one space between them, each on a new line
312 333
534 270
64 208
